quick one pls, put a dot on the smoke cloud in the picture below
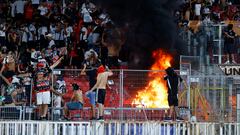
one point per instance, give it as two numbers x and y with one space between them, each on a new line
148 25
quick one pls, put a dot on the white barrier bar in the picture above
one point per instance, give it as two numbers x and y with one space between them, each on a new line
22 129
55 126
7 129
178 130
15 127
154 128
168 129
134 129
237 129
184 128
221 130
64 129
213 129
80 129
229 129
116 128
71 129
126 128
1 129
32 132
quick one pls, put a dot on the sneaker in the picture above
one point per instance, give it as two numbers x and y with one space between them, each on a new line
66 118
93 118
179 119
227 62
167 119
100 118
43 118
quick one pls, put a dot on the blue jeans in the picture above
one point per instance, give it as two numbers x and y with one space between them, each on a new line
74 105
92 98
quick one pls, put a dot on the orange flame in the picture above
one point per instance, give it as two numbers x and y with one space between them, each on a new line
154 95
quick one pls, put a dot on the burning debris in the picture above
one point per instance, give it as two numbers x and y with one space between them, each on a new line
155 94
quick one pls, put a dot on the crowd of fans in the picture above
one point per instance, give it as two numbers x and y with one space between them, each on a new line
37 36
208 16
209 10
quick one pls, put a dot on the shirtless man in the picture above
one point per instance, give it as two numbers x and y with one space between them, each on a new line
9 63
100 86
76 102
8 67
113 39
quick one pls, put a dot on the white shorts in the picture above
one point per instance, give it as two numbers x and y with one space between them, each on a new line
43 98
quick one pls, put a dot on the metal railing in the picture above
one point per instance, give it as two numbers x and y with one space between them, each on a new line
117 128
208 98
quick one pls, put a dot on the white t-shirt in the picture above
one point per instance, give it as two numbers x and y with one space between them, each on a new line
69 30
24 35
51 43
60 84
32 30
43 10
86 15
59 35
35 1
42 31
52 29
83 34
2 33
19 6
89 7
197 9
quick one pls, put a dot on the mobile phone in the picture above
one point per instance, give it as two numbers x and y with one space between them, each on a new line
110 82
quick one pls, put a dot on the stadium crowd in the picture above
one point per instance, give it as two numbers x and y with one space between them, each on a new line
37 36
206 17
214 10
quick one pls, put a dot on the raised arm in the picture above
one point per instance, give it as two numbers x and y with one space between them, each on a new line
83 70
56 63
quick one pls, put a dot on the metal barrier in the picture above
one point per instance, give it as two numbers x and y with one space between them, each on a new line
208 98
44 128
207 41
139 114
117 128
11 113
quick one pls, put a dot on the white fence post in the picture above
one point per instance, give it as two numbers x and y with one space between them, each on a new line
55 125
64 129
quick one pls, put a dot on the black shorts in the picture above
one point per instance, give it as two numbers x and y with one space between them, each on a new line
8 74
229 48
172 100
101 96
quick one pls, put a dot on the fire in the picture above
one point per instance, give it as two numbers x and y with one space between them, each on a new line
154 95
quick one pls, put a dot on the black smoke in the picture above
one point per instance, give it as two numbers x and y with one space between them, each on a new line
148 25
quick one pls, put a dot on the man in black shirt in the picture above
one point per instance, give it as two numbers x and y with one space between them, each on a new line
173 80
229 36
